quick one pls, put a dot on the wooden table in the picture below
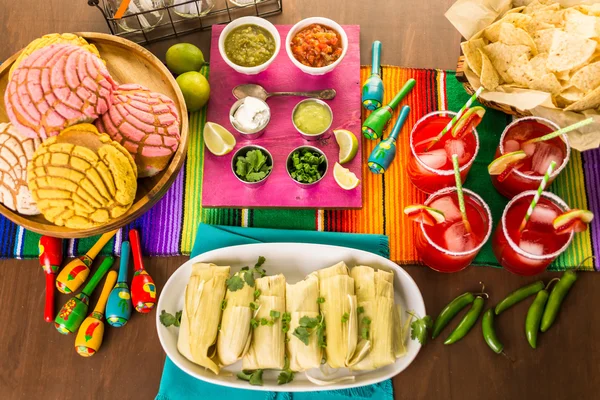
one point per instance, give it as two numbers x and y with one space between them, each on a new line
37 362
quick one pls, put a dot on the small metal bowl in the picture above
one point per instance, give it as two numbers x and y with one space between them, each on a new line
317 135
243 151
251 135
289 163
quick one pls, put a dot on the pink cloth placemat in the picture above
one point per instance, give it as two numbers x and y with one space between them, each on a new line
220 186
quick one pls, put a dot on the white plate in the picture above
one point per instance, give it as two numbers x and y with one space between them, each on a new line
295 261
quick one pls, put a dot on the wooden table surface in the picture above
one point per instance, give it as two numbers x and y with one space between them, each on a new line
37 362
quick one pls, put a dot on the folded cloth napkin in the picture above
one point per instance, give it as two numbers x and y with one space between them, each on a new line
177 385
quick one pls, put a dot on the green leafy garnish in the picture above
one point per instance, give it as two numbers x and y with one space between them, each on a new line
253 167
246 275
253 377
321 300
257 294
307 167
308 326
223 304
285 377
253 306
169 319
419 328
249 278
235 283
285 322
364 332
275 315
345 317
254 323
360 310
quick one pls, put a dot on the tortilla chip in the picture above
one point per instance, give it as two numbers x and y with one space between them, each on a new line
489 76
581 24
520 71
471 51
590 101
569 51
547 83
564 76
502 56
587 78
589 9
568 97
551 14
543 39
533 6
514 10
492 32
538 65
511 35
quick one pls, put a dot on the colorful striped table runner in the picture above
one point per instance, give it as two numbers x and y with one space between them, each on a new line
169 228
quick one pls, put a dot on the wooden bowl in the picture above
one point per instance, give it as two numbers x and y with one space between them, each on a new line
127 62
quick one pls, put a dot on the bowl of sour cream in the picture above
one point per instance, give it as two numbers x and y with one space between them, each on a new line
250 116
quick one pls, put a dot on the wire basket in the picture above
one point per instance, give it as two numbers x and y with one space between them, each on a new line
164 19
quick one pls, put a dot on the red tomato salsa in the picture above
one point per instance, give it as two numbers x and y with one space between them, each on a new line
317 46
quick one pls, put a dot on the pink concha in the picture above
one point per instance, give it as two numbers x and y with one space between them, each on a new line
55 87
146 123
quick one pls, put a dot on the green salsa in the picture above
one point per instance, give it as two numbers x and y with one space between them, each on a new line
312 117
249 45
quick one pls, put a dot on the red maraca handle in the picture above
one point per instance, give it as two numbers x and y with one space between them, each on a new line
136 249
49 307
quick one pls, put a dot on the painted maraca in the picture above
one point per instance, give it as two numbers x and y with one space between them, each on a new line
77 271
383 154
143 290
51 256
72 314
118 309
372 90
91 332
377 121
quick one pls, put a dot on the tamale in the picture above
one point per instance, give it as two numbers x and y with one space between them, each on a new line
235 334
267 349
202 313
375 295
336 287
302 304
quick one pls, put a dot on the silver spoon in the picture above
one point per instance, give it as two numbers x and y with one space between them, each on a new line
254 90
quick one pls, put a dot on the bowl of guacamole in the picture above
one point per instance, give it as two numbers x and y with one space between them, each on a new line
312 118
249 44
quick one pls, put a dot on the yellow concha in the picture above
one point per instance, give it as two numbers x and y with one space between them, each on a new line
82 178
47 40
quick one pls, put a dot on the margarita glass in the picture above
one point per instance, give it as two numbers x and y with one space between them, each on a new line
528 173
531 251
448 246
431 169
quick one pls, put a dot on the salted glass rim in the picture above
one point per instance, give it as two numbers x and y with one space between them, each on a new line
480 201
444 172
556 200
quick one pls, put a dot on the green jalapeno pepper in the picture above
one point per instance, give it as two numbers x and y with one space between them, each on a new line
489 333
450 311
467 322
534 317
556 298
518 296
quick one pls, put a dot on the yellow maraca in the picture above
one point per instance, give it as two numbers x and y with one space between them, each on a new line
90 334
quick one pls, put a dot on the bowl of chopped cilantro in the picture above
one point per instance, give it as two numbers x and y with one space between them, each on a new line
252 165
306 165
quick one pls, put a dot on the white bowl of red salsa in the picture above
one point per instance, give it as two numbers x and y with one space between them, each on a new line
316 45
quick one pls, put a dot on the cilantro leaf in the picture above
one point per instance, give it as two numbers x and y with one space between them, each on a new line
235 283
253 166
285 322
223 304
275 314
253 377
254 323
302 333
168 319
257 294
285 377
360 310
260 262
345 317
255 176
419 328
364 333
308 322
320 300
249 278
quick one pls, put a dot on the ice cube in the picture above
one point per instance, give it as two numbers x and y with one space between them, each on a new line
537 249
529 148
448 206
544 154
458 239
511 145
434 159
543 215
457 146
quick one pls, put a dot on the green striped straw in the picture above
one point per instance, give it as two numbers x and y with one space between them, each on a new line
456 118
537 196
562 131
459 191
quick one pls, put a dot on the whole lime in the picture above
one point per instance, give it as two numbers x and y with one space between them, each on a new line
184 57
195 89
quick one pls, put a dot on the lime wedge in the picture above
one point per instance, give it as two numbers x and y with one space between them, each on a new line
500 164
468 122
424 214
344 177
218 140
348 144
573 221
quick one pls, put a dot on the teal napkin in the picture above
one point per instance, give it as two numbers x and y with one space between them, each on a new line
177 385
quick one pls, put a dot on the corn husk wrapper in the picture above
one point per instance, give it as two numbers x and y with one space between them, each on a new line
235 334
555 77
201 314
267 350
301 301
375 294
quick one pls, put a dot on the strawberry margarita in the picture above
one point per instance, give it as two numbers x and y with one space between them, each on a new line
449 246
430 167
527 173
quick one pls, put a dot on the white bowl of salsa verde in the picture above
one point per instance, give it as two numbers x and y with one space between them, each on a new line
302 45
249 44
